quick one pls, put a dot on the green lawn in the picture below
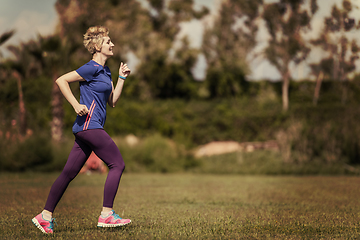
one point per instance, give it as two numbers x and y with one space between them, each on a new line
188 206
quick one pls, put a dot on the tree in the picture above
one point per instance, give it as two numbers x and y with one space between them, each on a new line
3 67
227 44
165 70
148 33
286 21
50 52
19 69
4 37
42 57
340 52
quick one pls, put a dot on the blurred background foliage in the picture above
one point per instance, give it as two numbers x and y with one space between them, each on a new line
313 121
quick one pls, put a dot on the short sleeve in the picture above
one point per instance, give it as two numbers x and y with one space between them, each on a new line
87 71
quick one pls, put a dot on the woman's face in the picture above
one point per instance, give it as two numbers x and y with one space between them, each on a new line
107 47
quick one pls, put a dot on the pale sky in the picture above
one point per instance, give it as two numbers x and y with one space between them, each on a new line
32 17
28 18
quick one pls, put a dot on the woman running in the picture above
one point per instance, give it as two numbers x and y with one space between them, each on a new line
96 90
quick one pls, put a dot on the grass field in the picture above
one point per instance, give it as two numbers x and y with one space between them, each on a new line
188 206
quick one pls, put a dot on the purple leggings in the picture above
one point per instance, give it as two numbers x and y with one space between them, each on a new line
100 142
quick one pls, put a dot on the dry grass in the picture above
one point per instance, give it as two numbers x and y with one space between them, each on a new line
188 206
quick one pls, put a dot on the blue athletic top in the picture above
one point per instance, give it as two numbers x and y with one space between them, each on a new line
94 93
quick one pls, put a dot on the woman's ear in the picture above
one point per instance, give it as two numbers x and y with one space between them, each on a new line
97 48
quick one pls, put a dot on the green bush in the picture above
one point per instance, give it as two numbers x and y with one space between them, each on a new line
31 154
308 135
60 152
321 134
197 122
154 154
266 162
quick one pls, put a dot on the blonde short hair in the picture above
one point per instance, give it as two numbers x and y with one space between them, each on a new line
94 37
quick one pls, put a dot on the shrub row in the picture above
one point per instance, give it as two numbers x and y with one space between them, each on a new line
324 134
307 135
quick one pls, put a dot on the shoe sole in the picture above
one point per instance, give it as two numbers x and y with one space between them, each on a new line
112 225
38 225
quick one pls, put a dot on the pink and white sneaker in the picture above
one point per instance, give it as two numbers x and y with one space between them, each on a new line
44 225
112 220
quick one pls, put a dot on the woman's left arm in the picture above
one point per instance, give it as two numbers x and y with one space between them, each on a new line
124 71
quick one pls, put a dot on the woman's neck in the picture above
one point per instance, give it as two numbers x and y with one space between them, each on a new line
99 58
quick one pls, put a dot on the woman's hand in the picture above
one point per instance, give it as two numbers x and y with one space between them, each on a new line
81 110
124 70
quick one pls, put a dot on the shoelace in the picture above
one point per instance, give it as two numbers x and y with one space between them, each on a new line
52 223
116 216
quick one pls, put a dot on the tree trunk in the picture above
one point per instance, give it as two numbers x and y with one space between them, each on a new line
317 87
344 86
22 109
57 113
285 91
344 92
335 68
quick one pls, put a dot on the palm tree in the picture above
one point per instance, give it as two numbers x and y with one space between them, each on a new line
16 69
4 37
51 52
20 69
48 53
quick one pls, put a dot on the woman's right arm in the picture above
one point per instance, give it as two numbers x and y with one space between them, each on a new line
63 83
